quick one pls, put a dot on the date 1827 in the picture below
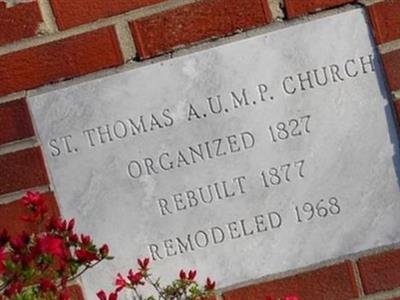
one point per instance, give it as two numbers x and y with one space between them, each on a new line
321 209
290 129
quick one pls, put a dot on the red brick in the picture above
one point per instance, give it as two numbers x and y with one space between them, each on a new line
15 121
162 32
380 272
71 57
22 170
391 62
385 18
70 13
295 8
18 22
11 213
334 283
76 292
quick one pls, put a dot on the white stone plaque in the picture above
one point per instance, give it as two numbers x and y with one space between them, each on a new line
248 159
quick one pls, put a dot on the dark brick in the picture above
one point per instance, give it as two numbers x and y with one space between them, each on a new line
162 32
295 8
59 60
15 121
385 18
335 282
22 170
70 13
11 213
380 272
19 22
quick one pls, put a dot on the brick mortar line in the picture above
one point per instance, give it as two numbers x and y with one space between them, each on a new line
276 9
390 46
19 145
370 2
353 257
126 41
111 21
357 278
13 96
48 16
15 196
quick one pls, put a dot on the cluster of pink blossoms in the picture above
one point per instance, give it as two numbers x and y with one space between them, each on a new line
185 287
40 265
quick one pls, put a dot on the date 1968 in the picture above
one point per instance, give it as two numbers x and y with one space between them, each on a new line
321 209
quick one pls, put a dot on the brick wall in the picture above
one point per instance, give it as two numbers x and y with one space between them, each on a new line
47 41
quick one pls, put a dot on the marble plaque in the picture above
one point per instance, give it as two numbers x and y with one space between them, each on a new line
252 158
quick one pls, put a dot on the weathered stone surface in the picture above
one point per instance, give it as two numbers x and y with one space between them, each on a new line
299 171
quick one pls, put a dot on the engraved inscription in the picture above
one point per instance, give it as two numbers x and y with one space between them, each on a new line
265 148
203 195
330 74
191 155
291 128
283 174
323 208
215 235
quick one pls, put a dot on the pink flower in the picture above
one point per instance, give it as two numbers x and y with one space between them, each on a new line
143 264
74 238
19 242
104 250
182 275
192 274
86 239
113 296
64 295
135 278
85 256
103 296
52 245
47 285
3 257
13 289
210 285
34 202
120 282
32 199
71 225
56 224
